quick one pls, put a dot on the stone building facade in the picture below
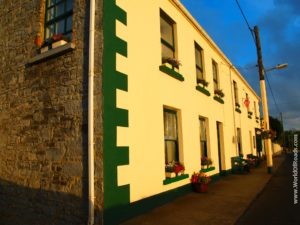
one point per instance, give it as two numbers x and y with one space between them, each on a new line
43 115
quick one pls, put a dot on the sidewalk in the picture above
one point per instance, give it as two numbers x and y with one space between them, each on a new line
226 200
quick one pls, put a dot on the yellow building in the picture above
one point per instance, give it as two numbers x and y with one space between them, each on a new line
170 96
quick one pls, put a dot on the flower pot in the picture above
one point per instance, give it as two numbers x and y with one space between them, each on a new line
200 187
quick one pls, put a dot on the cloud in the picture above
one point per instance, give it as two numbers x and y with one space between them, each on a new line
280 30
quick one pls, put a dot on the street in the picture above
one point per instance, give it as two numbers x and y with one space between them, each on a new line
275 204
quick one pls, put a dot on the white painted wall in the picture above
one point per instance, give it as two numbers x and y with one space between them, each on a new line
149 90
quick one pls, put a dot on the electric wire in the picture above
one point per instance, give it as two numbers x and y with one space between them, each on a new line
251 31
275 103
245 18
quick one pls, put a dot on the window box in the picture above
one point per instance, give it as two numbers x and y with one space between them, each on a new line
205 170
250 114
219 99
58 43
203 90
171 72
238 110
219 95
175 179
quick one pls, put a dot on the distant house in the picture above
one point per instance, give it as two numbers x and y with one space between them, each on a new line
145 90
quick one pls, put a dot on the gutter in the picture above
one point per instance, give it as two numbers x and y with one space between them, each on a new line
91 190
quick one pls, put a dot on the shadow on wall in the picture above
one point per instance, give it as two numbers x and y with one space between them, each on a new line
21 205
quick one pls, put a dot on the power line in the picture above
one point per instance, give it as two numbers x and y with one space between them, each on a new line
276 106
245 18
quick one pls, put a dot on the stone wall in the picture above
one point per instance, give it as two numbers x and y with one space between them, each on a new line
43 120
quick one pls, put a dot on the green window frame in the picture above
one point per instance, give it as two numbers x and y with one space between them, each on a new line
167 31
199 63
58 18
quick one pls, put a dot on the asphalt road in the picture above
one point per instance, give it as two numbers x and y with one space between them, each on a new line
275 205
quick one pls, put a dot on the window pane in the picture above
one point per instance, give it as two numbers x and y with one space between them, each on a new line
202 130
60 9
60 27
50 14
215 75
198 55
166 52
215 71
166 30
203 149
69 23
170 125
199 73
69 5
51 2
49 31
171 152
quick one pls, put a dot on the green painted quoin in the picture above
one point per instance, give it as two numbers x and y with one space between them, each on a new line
114 196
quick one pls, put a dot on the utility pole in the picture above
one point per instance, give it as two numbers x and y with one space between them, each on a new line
283 138
261 70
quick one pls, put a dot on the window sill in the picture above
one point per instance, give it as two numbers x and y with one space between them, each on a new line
208 169
52 53
202 90
219 99
171 72
175 179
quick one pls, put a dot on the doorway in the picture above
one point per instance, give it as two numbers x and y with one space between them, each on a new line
221 158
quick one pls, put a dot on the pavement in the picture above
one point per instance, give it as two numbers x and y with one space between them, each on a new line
225 202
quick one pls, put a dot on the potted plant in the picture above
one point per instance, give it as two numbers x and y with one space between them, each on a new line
219 92
175 63
200 182
202 81
173 169
205 161
54 41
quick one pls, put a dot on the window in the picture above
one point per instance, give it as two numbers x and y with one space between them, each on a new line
171 136
247 102
58 18
167 36
203 137
215 75
199 62
236 93
255 109
239 140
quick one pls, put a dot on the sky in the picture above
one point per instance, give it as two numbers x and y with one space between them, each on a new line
279 29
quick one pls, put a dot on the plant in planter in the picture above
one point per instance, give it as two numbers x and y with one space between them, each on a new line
219 93
205 161
55 41
202 81
174 169
172 61
200 181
